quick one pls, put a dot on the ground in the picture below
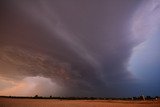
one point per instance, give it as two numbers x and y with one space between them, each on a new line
12 102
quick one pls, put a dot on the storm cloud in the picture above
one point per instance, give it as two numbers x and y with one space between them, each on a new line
81 46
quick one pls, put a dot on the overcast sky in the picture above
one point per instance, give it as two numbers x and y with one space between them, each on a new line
106 48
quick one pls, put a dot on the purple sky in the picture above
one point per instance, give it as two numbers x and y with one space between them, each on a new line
79 48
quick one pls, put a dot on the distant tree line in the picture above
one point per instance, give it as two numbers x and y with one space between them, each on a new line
146 98
85 98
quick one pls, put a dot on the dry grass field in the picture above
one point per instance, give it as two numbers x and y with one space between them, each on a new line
7 102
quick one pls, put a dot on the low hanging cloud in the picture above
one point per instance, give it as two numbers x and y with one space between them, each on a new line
18 64
82 47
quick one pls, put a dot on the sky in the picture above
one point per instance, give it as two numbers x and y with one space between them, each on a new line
98 48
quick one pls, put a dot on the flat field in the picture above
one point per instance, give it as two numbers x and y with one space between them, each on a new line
12 102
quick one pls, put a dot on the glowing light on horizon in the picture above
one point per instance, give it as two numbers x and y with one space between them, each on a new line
29 86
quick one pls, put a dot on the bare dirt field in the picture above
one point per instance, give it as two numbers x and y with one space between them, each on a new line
8 102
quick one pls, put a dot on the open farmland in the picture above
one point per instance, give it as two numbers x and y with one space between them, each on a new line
8 102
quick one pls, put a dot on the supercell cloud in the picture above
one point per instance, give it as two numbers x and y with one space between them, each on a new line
72 48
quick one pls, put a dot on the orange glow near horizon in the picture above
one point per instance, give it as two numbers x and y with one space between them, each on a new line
29 86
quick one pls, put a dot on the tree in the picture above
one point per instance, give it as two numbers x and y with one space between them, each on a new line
36 96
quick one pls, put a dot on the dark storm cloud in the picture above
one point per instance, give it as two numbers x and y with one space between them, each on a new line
82 45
